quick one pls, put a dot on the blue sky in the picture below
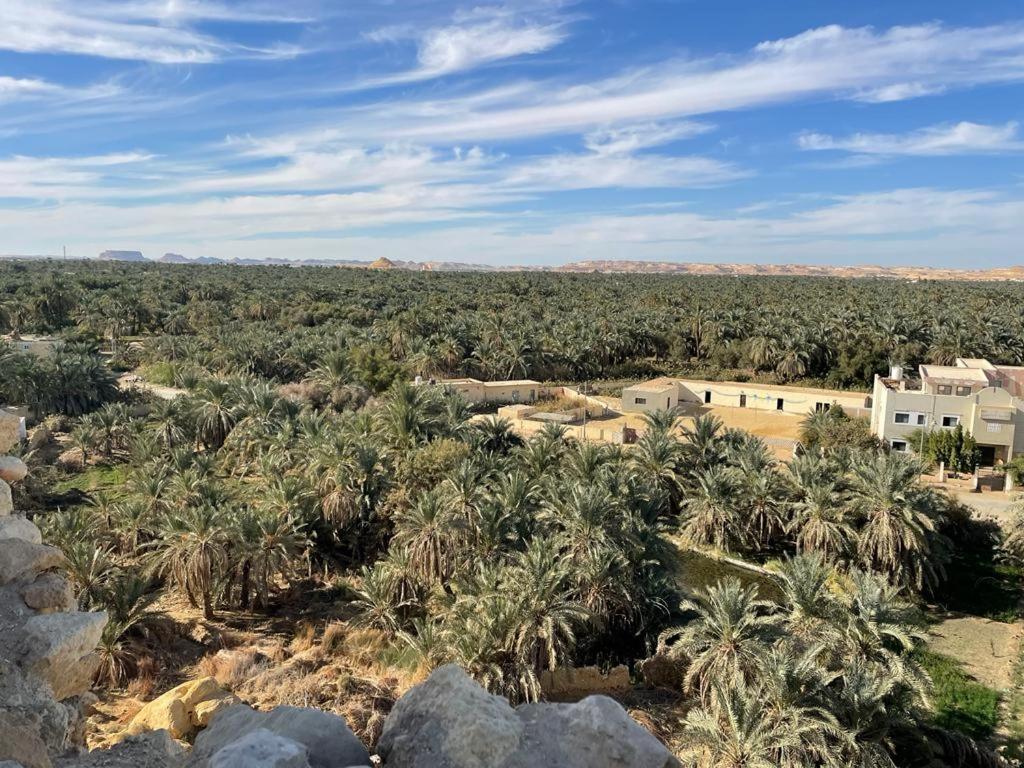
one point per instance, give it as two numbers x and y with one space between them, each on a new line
524 132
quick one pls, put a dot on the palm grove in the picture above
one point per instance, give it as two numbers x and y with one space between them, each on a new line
298 454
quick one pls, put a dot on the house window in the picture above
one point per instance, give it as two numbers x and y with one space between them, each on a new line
707 395
944 389
919 419
901 418
640 401
779 404
743 401
668 403
994 426
819 407
963 391
950 421
899 445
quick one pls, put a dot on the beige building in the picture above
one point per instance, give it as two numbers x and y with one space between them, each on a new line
665 393
40 346
985 399
476 391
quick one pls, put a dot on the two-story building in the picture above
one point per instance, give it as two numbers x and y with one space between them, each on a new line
985 399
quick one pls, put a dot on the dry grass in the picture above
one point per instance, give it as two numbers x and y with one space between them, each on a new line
305 637
334 636
232 669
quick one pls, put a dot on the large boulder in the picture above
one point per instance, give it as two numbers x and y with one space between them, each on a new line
30 698
20 741
154 749
261 749
12 469
19 558
60 649
175 710
451 722
17 527
327 739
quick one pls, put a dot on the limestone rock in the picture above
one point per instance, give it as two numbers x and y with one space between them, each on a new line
49 592
60 649
450 722
326 737
205 710
154 749
6 502
261 748
29 696
20 741
593 733
12 469
175 710
19 558
17 527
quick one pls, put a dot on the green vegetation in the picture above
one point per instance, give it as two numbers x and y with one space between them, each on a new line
297 461
960 703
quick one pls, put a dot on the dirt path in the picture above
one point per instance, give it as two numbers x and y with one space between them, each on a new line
134 381
987 649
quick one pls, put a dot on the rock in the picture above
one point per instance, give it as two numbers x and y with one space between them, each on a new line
60 649
19 558
39 438
31 697
6 501
16 527
154 749
593 733
49 592
450 722
20 741
205 710
261 748
174 711
12 469
326 737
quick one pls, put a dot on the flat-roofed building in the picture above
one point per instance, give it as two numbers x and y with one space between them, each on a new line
983 398
476 391
31 344
664 393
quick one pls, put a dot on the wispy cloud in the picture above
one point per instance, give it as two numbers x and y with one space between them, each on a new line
483 36
139 31
962 138
830 62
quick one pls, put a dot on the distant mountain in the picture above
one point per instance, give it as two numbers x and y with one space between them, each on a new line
122 256
808 270
382 263
173 258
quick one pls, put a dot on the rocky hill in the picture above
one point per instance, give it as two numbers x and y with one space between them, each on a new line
48 659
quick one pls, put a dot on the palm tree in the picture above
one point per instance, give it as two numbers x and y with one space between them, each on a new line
432 534
727 640
896 538
215 412
711 516
266 545
820 521
191 550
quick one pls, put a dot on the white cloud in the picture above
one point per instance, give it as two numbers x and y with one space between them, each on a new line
482 37
13 88
630 138
897 92
154 32
831 62
959 139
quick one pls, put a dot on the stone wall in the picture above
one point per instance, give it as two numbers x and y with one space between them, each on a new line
47 646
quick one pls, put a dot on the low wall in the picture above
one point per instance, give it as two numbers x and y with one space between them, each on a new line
577 682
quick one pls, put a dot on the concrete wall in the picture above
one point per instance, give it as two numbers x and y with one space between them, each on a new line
653 399
795 400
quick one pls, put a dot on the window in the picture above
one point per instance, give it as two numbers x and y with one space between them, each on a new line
743 401
919 419
819 407
899 445
901 418
640 401
963 391
994 426
944 389
707 395
950 421
779 404
668 403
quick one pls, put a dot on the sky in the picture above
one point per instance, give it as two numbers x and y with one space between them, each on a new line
521 132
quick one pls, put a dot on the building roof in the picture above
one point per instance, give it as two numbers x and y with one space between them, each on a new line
755 386
974 362
514 383
954 373
661 384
